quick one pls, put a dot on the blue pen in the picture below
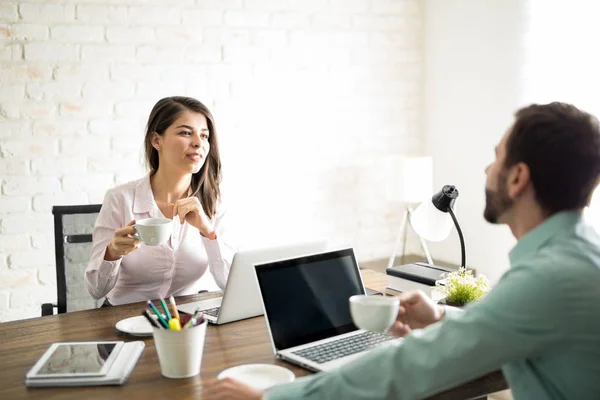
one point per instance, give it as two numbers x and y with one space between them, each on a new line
160 318
164 306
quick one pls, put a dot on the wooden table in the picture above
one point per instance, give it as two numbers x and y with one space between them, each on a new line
247 341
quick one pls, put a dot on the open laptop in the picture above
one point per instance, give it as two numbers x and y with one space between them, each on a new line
241 298
307 310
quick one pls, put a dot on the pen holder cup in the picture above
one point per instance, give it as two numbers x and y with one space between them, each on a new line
180 352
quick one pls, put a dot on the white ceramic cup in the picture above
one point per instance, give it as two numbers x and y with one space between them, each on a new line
180 352
374 313
153 231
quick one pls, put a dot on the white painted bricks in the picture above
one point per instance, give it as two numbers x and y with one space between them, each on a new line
309 97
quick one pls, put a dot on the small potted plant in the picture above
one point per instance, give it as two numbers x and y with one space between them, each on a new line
461 287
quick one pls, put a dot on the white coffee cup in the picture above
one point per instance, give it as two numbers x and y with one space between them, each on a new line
374 313
153 231
180 352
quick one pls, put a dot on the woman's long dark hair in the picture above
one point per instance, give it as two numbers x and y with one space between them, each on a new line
205 183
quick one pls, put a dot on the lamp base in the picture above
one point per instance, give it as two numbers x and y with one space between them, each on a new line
398 248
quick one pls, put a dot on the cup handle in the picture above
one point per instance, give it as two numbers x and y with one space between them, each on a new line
135 235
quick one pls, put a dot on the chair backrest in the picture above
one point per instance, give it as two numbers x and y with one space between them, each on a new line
73 226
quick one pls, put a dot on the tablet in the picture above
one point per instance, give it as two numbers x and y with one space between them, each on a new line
76 359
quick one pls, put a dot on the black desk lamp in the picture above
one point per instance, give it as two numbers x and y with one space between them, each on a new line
432 220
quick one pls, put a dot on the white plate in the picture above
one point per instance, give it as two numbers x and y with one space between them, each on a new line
135 326
259 376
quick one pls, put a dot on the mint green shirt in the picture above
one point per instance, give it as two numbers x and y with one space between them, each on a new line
540 324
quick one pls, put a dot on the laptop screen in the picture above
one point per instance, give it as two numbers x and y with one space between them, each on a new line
306 299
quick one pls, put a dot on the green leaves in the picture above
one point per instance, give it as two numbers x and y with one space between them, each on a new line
462 287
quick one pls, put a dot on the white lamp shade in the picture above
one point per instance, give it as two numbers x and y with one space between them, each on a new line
410 179
430 223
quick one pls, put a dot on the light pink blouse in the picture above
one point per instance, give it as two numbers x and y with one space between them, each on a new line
150 272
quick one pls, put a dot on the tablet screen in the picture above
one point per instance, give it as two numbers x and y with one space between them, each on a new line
77 358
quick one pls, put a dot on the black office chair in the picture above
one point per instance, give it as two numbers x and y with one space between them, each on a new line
73 226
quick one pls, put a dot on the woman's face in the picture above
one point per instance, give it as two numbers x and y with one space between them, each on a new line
184 146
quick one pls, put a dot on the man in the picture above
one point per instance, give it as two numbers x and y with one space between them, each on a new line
540 324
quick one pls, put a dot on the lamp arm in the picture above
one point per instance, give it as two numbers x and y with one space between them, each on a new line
462 239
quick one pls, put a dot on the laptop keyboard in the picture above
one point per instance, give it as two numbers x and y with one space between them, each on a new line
325 352
213 312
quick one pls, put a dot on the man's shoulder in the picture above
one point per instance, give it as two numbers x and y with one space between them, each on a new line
570 253
561 263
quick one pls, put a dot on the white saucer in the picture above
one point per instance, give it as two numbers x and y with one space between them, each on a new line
135 326
259 376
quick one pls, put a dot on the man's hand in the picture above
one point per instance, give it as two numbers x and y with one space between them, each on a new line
416 311
228 388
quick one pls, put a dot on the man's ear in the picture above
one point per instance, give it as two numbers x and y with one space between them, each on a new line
156 139
517 179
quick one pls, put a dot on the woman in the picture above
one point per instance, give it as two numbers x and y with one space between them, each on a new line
183 184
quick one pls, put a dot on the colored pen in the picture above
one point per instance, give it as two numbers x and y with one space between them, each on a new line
174 324
197 313
194 316
195 320
173 308
160 318
164 306
152 321
191 320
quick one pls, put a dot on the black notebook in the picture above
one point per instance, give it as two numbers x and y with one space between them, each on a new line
425 274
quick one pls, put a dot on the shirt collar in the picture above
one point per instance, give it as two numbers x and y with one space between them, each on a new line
532 241
143 201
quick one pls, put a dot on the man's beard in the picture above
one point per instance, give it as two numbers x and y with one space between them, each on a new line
496 203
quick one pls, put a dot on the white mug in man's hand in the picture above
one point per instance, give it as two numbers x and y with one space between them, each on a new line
374 313
153 231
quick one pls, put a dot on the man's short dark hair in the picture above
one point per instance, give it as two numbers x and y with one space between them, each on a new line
561 146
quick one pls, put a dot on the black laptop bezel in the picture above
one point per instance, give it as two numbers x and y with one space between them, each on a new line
293 262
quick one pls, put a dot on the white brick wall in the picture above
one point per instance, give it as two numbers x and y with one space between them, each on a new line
309 97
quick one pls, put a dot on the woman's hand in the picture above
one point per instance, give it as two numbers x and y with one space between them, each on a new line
228 388
190 210
122 243
416 311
